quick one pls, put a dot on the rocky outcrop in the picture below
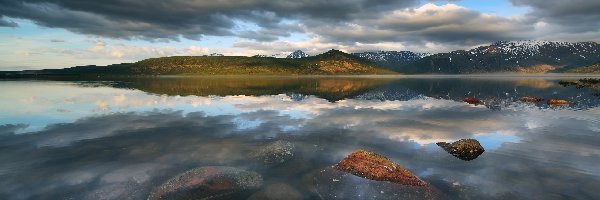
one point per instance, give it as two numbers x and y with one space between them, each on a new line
208 182
464 149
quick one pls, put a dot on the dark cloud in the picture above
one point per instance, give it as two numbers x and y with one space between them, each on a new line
156 19
430 23
7 23
332 24
575 16
272 33
9 129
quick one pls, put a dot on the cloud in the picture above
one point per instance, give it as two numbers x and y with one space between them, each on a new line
449 24
270 27
568 20
9 129
6 23
159 20
428 28
57 40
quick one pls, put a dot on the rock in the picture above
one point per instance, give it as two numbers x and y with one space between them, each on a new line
464 149
331 183
275 153
530 99
559 102
367 175
471 100
208 182
277 191
373 166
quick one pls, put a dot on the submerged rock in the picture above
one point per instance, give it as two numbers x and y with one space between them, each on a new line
471 100
277 191
464 149
530 99
367 175
208 182
373 166
559 102
275 153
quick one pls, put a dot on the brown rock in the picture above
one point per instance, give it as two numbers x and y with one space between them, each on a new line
207 182
530 99
471 100
559 102
464 149
331 183
377 167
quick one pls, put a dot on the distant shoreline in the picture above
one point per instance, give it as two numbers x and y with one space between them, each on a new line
390 76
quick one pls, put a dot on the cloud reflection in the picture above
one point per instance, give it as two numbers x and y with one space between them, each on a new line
126 154
141 139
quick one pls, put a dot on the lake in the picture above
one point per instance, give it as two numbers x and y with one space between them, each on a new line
124 138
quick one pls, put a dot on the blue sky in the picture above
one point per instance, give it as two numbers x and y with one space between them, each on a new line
56 34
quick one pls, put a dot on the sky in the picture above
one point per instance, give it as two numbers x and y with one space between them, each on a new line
38 34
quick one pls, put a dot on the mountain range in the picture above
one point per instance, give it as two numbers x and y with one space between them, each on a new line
526 56
504 56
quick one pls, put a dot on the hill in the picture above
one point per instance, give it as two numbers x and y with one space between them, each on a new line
593 68
328 63
333 62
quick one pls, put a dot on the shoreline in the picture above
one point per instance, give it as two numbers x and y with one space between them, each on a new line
387 76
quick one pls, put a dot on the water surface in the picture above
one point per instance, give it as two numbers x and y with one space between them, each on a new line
119 139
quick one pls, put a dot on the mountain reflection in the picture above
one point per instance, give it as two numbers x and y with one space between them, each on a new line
495 93
332 89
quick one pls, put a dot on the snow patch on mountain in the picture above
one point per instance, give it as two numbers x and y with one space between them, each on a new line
297 54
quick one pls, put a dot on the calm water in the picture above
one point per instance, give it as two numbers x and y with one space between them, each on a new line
120 139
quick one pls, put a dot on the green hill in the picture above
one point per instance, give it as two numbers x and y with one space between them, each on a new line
593 68
329 63
333 62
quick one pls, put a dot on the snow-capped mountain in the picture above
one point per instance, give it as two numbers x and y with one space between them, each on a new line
297 54
392 59
510 56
